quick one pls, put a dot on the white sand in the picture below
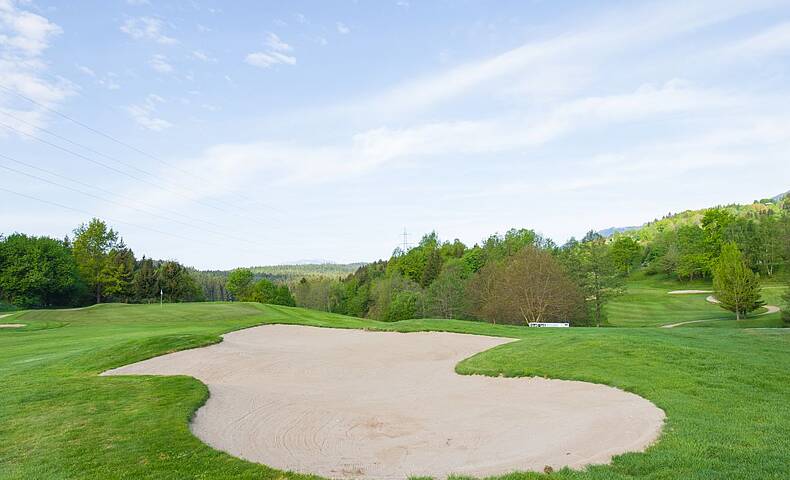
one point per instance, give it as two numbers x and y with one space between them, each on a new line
374 405
11 325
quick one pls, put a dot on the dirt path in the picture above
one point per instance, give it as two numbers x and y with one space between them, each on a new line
354 404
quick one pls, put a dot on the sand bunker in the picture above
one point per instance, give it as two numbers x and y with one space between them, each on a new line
356 404
11 325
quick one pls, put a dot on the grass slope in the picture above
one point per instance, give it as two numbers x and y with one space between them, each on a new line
647 303
724 391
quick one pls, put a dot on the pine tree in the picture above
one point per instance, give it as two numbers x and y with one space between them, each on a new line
736 287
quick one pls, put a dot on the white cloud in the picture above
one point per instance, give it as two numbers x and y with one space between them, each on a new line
24 32
145 114
203 56
203 29
24 38
773 40
274 43
342 29
86 70
273 55
159 63
376 137
546 61
137 3
268 59
147 28
374 148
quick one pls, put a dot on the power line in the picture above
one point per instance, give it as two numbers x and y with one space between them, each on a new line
120 172
99 197
96 152
79 182
84 212
122 143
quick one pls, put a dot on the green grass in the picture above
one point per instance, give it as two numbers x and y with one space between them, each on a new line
646 303
724 391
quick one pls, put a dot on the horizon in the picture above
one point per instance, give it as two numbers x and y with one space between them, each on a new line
255 134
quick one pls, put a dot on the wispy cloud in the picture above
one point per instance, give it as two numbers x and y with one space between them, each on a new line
145 114
203 56
160 63
86 70
342 28
268 59
274 43
24 38
274 54
147 28
775 39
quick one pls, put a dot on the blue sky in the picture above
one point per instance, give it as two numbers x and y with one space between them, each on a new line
243 133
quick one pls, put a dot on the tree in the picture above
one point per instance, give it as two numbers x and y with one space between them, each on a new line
433 265
264 291
769 254
92 245
37 272
447 294
531 286
145 285
484 295
626 252
736 287
591 263
176 283
239 283
118 274
395 297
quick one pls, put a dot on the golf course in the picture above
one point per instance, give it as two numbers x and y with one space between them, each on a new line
394 240
723 390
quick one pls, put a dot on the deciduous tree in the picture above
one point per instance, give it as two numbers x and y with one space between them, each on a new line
92 245
239 283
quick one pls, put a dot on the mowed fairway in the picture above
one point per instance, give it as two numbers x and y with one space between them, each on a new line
724 391
647 303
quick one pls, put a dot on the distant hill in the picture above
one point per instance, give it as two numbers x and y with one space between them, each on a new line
296 271
649 230
608 232
781 196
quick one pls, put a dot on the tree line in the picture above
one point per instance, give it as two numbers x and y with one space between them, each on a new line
521 277
514 278
95 266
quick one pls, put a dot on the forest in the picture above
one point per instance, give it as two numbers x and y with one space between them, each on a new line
514 278
521 277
